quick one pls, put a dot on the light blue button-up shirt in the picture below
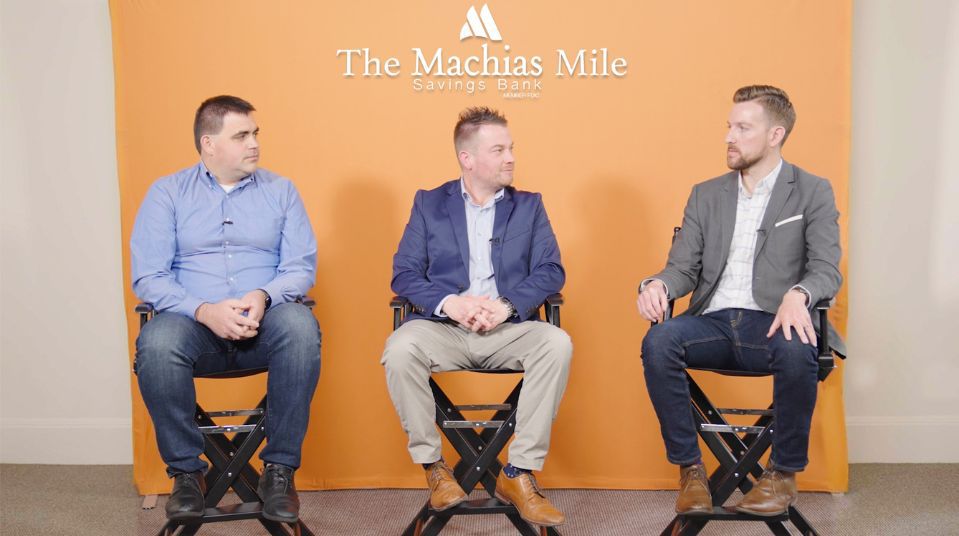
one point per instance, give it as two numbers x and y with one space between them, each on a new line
479 231
193 242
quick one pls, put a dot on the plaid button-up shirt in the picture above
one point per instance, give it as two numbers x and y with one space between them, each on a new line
735 288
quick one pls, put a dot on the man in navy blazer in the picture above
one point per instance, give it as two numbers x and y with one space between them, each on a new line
476 261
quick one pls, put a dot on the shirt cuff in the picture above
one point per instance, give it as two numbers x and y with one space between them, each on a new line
439 308
188 307
804 291
278 293
642 286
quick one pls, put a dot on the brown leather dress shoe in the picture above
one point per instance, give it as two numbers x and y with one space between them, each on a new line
694 496
523 493
771 496
445 491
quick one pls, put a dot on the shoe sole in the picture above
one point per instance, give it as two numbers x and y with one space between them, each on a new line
742 510
185 517
537 523
281 519
694 511
457 502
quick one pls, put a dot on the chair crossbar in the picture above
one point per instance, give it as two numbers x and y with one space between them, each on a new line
236 412
739 411
483 407
472 424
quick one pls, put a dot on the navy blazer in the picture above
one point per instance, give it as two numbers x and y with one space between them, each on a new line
432 260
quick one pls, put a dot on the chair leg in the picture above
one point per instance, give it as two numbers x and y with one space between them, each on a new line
738 458
478 464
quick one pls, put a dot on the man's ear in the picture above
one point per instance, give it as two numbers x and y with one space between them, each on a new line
776 135
466 159
206 145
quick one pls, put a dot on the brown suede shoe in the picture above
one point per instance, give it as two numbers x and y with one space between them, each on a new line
694 496
445 491
771 496
523 493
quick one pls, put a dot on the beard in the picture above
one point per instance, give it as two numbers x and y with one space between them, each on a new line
737 162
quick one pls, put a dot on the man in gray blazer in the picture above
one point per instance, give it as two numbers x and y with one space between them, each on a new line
759 246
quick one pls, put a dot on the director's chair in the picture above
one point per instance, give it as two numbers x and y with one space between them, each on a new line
740 448
479 451
230 459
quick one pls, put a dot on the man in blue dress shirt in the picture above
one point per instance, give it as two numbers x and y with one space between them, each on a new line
223 251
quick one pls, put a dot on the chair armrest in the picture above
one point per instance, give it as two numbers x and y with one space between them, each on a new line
401 307
827 361
551 308
146 312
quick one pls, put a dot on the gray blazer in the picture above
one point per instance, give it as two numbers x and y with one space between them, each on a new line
797 244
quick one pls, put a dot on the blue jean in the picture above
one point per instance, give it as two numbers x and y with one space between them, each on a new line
733 339
172 349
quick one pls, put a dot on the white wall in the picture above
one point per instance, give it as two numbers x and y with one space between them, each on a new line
902 382
64 382
64 379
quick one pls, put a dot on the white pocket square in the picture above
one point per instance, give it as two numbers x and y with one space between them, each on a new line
787 220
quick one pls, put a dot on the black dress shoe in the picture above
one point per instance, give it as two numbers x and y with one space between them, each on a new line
278 493
186 502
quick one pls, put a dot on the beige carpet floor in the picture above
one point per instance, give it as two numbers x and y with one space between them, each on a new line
100 500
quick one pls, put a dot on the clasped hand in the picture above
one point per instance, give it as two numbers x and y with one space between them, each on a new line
234 319
475 313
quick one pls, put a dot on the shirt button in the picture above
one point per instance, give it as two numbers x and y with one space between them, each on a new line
229 256
227 243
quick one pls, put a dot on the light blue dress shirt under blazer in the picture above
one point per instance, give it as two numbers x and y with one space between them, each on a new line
193 242
479 231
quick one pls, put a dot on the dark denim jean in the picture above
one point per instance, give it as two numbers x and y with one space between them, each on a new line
172 349
733 339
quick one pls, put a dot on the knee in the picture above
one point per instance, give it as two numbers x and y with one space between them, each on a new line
658 339
792 358
162 341
400 353
558 348
296 323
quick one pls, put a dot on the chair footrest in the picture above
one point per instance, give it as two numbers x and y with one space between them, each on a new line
472 424
731 428
476 507
236 412
740 411
724 513
231 512
481 407
228 429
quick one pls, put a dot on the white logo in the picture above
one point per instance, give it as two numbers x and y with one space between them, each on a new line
481 25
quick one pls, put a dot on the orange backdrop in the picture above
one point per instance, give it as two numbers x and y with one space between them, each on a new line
614 157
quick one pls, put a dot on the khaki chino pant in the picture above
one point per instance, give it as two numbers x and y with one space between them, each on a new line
421 347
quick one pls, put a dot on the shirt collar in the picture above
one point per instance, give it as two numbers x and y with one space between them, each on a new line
766 184
469 199
205 172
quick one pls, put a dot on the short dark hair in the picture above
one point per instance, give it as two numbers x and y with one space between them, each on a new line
209 116
471 119
774 101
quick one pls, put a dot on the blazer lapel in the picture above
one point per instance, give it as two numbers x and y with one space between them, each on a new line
503 211
457 212
785 184
727 213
